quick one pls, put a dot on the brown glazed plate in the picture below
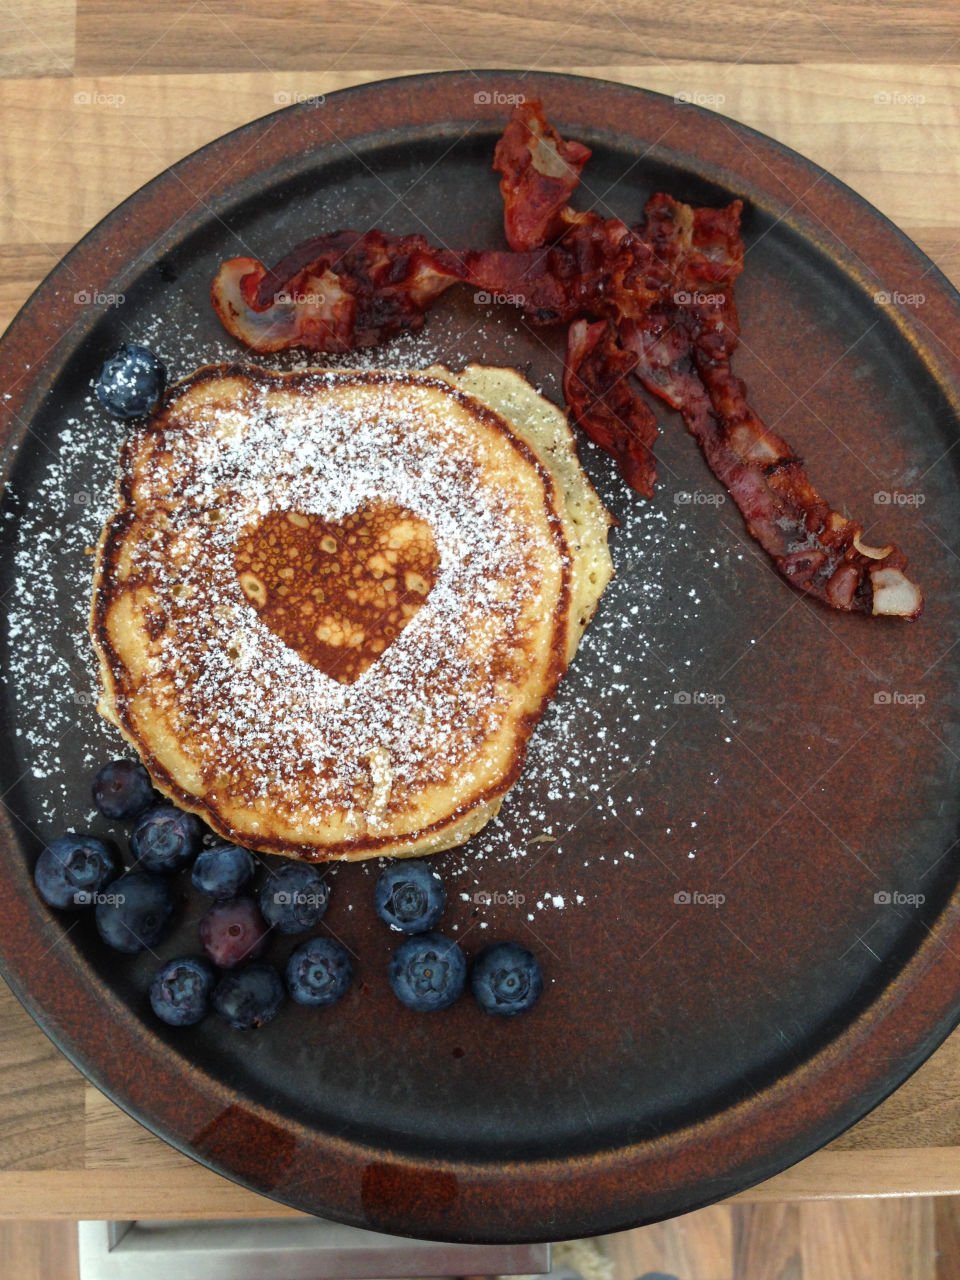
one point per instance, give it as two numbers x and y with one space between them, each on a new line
752 801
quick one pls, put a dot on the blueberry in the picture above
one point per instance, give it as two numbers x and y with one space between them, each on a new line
166 838
318 971
232 932
72 869
427 971
221 872
131 382
180 991
135 911
122 789
506 979
410 897
249 997
294 898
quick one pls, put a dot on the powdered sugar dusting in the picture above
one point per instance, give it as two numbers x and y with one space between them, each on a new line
253 711
597 733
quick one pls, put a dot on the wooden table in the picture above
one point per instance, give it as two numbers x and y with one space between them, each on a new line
97 97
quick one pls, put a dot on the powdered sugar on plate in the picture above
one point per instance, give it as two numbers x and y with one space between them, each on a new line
603 725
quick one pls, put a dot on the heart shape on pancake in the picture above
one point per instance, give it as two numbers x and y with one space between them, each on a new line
339 592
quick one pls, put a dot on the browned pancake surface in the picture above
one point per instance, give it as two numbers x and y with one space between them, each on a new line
331 607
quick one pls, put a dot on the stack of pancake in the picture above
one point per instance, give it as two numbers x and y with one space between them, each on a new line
331 605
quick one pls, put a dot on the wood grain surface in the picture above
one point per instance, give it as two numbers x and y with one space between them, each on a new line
824 1240
98 96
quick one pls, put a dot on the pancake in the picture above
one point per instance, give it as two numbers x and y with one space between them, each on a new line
332 605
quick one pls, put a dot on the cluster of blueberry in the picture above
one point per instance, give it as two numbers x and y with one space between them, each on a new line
429 971
135 909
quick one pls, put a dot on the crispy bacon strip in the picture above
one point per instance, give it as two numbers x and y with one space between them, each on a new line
686 360
332 293
595 262
540 173
604 403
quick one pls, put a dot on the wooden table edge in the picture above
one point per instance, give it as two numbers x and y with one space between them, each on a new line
196 1192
